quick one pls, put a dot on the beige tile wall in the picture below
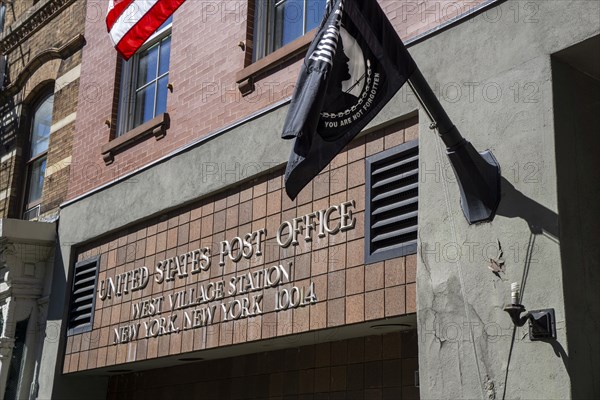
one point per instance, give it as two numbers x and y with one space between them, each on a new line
348 291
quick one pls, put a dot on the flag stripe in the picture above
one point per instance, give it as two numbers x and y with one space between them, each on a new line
132 15
144 18
115 12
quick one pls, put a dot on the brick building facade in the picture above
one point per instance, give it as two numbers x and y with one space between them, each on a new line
42 44
40 56
179 273
214 101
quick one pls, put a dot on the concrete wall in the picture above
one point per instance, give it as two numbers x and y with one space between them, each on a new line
52 385
468 348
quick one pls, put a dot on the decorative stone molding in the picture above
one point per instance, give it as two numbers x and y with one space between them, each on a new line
6 249
33 21
6 346
156 127
76 43
246 77
26 254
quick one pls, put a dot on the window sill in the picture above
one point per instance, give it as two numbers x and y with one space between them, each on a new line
246 77
156 127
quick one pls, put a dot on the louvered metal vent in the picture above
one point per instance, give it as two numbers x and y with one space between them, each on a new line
83 296
392 186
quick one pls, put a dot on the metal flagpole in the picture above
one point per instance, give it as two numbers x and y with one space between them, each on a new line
477 174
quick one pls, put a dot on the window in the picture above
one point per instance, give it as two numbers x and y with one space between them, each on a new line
279 22
144 80
41 122
392 181
3 62
83 296
2 16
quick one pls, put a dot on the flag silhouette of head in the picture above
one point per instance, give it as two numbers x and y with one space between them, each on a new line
353 67
339 98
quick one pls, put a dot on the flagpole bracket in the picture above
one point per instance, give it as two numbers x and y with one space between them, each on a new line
478 177
477 173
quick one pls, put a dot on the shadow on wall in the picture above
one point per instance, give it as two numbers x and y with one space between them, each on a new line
64 386
8 142
576 96
540 219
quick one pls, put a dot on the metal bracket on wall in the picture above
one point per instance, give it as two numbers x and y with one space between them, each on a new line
542 323
477 173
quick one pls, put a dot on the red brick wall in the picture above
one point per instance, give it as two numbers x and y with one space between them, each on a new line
348 292
204 60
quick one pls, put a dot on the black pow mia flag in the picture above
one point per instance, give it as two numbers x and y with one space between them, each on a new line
353 67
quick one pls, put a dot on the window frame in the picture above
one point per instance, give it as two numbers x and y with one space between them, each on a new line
2 16
264 27
2 305
128 83
30 160
3 67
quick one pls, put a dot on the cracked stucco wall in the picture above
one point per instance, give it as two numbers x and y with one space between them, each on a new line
498 91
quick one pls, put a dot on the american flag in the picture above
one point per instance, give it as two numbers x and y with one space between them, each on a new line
131 22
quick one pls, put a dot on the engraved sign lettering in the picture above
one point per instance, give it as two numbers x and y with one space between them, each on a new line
222 299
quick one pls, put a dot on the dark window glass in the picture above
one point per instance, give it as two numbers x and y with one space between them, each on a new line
2 16
279 22
16 361
41 123
144 81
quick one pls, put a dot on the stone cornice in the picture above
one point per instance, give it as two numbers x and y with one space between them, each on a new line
32 21
34 64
